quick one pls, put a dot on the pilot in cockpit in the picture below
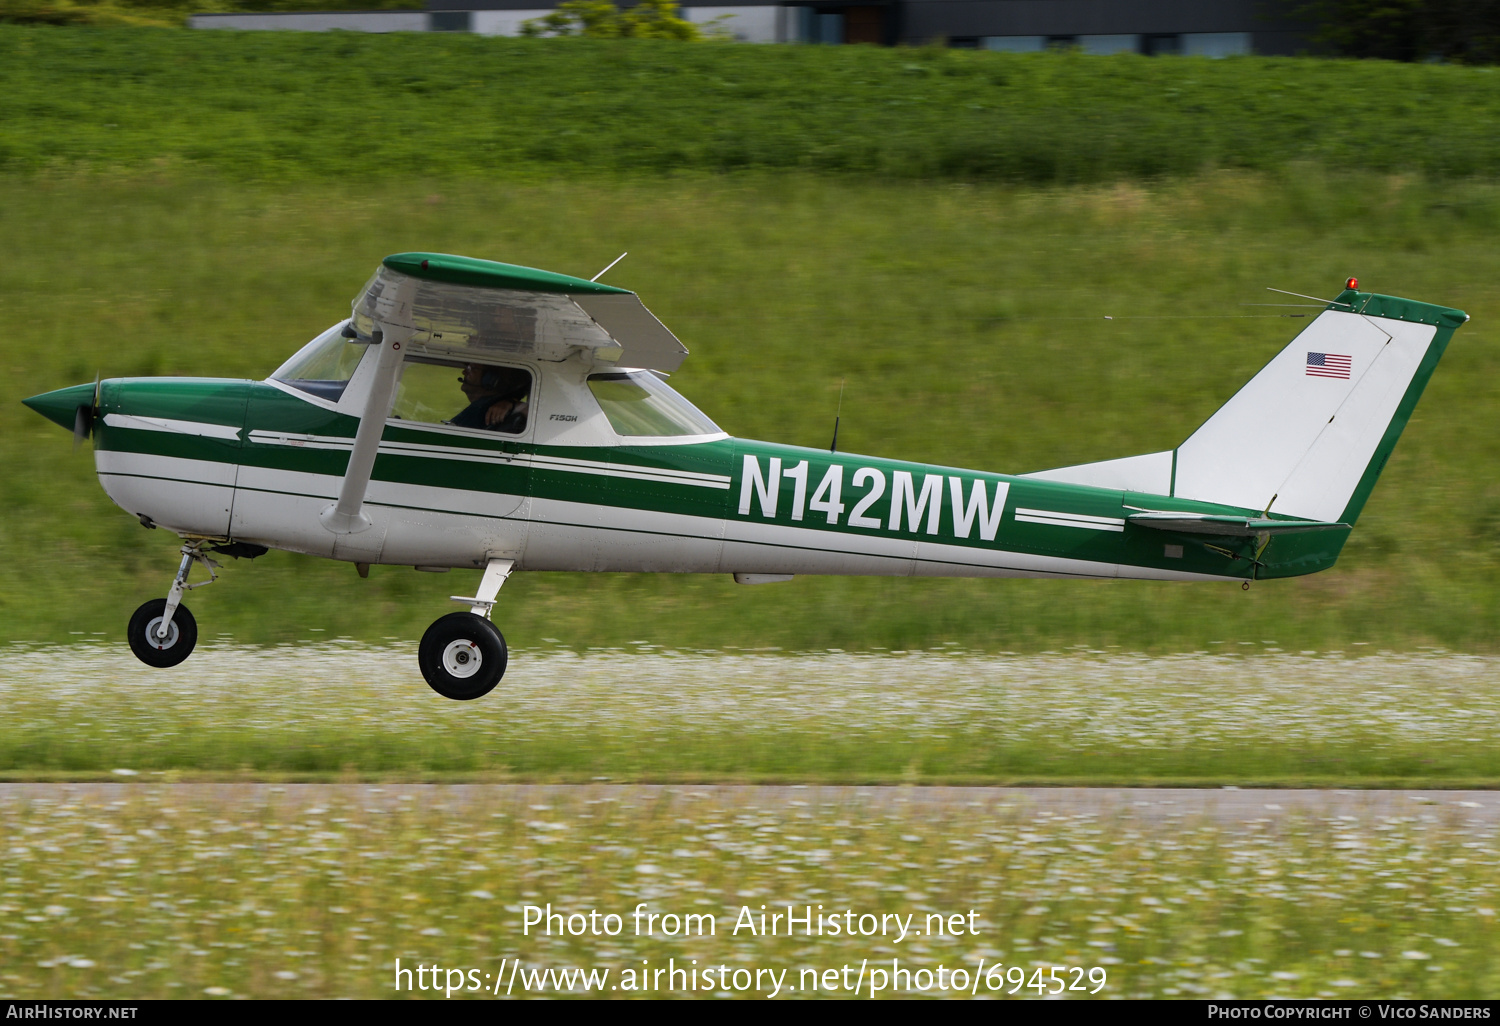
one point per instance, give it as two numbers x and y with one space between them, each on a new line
497 398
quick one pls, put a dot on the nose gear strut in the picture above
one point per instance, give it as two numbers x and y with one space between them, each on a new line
192 552
163 632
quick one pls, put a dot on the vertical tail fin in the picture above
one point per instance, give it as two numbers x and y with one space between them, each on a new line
1314 428
1309 435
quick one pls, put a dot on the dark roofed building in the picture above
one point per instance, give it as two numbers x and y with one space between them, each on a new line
1211 28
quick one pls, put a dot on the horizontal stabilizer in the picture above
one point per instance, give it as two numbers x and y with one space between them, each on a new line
1226 526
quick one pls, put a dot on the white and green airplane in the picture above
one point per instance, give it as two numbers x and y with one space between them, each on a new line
483 415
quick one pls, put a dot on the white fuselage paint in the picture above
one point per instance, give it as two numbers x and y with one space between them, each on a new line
189 496
430 526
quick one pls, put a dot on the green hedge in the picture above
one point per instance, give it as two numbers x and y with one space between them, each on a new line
279 105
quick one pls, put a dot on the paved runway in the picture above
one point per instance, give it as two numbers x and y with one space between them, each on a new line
1227 806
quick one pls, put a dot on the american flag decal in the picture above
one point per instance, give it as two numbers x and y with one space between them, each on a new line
1328 365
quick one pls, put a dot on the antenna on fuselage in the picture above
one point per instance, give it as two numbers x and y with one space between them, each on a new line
835 446
612 263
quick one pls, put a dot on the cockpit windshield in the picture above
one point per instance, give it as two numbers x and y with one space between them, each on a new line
640 403
324 366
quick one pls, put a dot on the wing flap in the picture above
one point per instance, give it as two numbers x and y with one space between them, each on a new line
644 340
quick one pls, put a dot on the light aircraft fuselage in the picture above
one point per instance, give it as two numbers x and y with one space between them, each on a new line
256 463
371 445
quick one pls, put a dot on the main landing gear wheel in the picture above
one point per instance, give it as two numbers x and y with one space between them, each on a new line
152 650
463 656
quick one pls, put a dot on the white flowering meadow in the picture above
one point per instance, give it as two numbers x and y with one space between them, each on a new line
252 891
160 890
640 714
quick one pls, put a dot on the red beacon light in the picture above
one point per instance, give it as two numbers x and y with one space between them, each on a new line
1352 283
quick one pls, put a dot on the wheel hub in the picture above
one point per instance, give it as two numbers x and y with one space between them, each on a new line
462 658
153 638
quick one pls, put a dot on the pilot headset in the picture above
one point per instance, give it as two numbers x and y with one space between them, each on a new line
505 382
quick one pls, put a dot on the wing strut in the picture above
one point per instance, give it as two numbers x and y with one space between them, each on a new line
347 516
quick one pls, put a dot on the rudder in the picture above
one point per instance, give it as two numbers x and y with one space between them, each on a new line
1310 433
1315 427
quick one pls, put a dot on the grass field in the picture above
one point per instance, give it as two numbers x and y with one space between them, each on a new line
159 896
329 712
977 312
313 106
1009 263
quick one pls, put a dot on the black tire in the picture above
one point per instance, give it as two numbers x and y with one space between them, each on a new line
179 643
462 656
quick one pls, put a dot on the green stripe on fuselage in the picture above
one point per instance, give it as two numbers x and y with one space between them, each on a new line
1069 535
560 473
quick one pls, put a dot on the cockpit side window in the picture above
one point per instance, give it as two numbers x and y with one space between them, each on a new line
640 403
324 366
485 396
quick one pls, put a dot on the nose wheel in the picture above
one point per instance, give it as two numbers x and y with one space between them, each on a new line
162 632
462 656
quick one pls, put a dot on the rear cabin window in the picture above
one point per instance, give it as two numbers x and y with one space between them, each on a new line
324 366
639 403
471 395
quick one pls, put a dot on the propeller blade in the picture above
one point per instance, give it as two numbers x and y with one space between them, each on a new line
83 418
83 425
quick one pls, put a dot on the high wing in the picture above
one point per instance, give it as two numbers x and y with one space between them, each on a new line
472 308
1226 526
480 310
